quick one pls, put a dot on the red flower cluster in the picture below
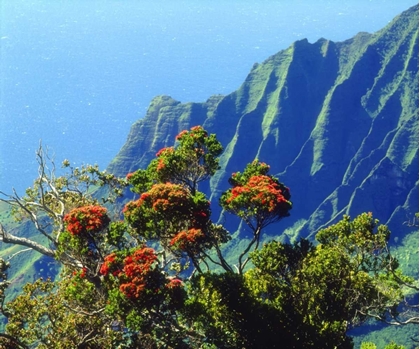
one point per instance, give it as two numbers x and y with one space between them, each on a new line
132 205
163 151
267 192
161 155
81 273
195 132
261 192
167 197
173 203
161 165
187 240
86 219
181 134
110 265
174 283
138 275
135 270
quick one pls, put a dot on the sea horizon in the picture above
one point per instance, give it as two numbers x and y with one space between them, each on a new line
76 75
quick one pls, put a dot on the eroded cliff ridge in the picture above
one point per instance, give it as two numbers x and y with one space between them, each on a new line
337 122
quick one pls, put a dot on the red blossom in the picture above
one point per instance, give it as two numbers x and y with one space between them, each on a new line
165 150
132 290
174 283
132 271
161 165
135 270
144 196
167 201
261 193
181 134
86 219
187 240
83 273
131 205
109 262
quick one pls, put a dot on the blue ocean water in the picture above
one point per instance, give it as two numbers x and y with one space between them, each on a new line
76 74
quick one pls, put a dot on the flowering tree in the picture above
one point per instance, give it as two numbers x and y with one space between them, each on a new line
258 199
194 160
155 273
178 219
52 197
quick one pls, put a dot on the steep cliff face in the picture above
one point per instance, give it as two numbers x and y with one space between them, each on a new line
337 122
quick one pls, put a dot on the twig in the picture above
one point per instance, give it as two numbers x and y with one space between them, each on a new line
19 252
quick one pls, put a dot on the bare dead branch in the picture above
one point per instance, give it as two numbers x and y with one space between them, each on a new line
406 317
12 239
27 207
19 252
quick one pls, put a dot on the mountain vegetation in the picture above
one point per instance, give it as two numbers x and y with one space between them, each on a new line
197 261
338 122
159 278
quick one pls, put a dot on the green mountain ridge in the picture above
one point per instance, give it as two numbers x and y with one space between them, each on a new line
337 122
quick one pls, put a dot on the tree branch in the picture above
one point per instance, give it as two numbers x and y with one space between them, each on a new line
254 240
390 318
12 239
26 207
19 252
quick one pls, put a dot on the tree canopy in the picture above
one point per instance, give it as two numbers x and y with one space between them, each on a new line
152 272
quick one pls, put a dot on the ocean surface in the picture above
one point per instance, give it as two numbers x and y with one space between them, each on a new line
76 74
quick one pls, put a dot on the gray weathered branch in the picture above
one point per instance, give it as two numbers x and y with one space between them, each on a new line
8 238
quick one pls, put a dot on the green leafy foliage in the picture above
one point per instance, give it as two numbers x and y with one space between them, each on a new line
193 160
147 281
43 316
381 337
369 345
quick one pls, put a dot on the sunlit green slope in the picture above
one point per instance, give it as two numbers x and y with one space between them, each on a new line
337 122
